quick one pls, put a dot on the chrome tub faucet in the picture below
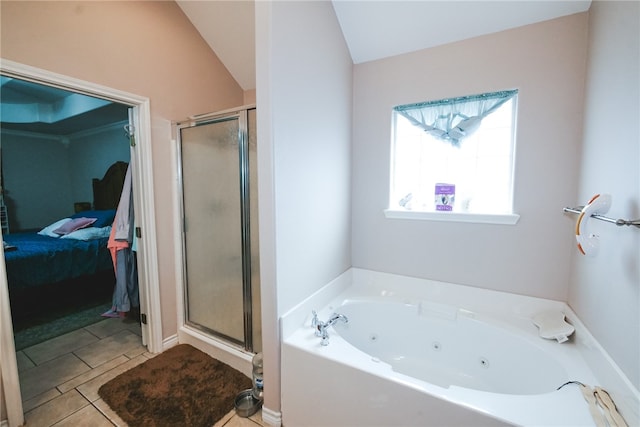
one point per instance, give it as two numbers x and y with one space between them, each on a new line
321 327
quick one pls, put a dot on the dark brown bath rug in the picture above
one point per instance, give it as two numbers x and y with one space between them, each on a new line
179 387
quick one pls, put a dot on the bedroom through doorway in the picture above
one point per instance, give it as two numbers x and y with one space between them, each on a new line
64 158
142 182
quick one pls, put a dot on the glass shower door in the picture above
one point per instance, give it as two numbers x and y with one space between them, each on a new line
211 183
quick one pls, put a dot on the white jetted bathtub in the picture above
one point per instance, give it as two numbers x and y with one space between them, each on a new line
417 352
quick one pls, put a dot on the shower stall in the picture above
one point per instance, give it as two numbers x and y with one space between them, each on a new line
218 182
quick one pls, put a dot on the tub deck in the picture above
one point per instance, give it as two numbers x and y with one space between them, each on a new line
339 384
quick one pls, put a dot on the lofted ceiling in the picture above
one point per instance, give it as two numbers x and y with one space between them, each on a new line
380 29
373 29
228 27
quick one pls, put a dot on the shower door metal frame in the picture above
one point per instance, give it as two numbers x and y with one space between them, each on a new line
241 115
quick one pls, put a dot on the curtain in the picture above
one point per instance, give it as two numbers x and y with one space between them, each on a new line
454 119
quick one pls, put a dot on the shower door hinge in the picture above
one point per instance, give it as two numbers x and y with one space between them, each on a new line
138 232
143 318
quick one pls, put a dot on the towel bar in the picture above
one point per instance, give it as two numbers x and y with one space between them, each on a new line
578 210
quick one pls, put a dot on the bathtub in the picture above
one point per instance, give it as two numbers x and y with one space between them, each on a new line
417 352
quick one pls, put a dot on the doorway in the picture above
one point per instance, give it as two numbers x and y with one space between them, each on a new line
63 155
143 201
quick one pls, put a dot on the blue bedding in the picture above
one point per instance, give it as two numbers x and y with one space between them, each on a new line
38 260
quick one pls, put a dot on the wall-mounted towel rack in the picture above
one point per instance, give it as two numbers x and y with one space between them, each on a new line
578 210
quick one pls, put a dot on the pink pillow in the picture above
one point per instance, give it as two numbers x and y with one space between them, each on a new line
73 225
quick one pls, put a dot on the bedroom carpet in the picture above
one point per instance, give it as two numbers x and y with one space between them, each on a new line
180 387
47 327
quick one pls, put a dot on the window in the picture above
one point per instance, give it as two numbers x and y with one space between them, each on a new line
454 158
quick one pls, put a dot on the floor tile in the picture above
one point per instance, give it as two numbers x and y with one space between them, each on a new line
109 348
59 379
232 419
109 413
138 351
149 355
38 400
87 376
257 417
110 326
23 361
58 346
41 378
55 410
61 390
85 417
135 328
222 421
90 389
237 421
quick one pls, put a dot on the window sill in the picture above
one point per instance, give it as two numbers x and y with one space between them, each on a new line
504 219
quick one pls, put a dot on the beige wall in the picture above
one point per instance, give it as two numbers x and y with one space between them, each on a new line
546 62
3 406
156 53
605 290
249 97
144 48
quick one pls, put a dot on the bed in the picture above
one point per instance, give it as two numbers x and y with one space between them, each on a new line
35 259
69 255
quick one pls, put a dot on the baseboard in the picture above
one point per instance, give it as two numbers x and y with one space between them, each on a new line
169 342
272 418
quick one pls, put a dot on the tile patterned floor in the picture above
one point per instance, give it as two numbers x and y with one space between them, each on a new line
60 378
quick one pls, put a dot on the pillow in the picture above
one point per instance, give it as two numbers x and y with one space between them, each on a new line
88 233
73 225
103 217
48 230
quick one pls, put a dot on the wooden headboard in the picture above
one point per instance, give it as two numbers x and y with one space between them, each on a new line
106 191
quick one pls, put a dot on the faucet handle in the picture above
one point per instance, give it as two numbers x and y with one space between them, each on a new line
318 325
321 327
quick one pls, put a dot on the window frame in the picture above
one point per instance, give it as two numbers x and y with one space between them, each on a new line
508 218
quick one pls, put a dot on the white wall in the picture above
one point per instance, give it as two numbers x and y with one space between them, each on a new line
605 290
304 86
546 62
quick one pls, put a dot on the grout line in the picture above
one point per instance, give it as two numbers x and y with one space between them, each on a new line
102 413
80 359
30 359
77 410
88 331
129 356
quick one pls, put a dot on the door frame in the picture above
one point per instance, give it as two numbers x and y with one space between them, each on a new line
240 115
216 346
142 179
